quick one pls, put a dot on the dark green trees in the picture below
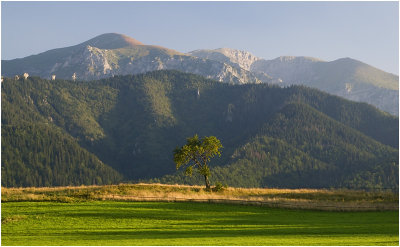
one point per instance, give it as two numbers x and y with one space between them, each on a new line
66 133
196 154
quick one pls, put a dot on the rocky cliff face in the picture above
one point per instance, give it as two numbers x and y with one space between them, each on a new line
236 58
208 68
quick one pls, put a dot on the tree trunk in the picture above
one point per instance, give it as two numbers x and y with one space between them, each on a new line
208 187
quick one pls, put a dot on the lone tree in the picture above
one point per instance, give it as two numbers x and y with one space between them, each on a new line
196 154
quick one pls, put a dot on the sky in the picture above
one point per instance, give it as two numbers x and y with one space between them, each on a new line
366 31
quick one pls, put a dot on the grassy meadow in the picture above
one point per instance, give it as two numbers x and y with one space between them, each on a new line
154 214
183 223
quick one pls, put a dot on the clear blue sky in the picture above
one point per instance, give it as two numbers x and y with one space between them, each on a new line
366 31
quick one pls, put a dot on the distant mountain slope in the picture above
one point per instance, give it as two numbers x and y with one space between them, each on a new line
344 77
132 124
296 70
116 54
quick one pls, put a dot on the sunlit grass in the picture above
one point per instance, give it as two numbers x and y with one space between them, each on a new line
182 223
341 200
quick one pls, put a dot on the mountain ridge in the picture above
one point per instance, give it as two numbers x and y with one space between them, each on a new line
113 54
128 56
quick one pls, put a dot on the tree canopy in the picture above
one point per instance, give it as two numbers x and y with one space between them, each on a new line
196 154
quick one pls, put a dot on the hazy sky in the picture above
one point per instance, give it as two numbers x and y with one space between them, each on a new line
366 31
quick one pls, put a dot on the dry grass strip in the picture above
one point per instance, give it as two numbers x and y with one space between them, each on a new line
331 200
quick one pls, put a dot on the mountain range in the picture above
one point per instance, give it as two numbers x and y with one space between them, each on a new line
344 77
113 54
125 128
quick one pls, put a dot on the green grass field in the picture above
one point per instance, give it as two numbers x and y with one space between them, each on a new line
183 223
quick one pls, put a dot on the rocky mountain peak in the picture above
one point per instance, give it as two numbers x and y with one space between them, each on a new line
243 58
237 58
112 41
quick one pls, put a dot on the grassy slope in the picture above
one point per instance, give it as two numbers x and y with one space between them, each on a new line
160 223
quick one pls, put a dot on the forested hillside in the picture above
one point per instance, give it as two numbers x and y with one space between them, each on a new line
125 128
35 151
